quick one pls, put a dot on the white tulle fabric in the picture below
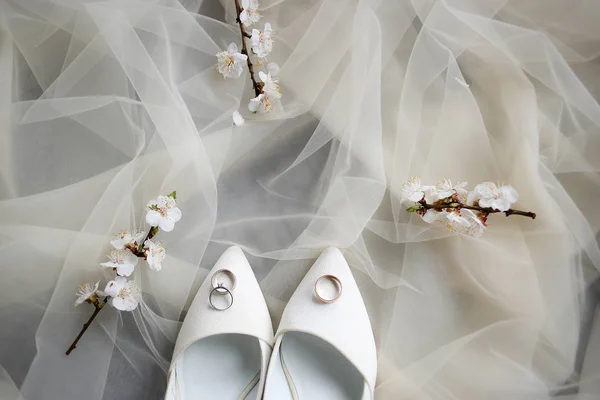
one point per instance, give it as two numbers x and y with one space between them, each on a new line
107 104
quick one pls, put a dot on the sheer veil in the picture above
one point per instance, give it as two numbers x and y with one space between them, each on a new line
106 104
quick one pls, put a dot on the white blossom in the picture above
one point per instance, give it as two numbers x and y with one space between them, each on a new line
230 63
476 226
124 294
462 221
86 292
413 190
163 212
270 85
262 41
250 14
123 260
155 254
238 120
492 196
444 189
468 223
434 216
125 238
455 219
449 217
261 104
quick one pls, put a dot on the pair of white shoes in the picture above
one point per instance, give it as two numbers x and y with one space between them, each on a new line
321 350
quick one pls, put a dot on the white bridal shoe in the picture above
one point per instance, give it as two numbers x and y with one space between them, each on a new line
324 347
225 341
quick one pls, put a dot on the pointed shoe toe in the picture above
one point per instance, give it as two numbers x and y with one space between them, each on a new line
223 354
324 351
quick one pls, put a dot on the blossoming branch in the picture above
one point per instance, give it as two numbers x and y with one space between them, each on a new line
128 248
230 63
458 209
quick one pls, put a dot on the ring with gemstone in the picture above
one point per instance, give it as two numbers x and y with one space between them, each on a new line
220 286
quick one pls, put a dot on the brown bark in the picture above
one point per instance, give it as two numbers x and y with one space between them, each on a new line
257 86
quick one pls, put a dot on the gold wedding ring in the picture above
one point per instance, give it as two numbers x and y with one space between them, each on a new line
220 287
338 285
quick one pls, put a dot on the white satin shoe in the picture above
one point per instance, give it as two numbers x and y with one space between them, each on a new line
223 354
324 351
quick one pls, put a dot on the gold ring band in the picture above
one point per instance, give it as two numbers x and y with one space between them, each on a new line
220 287
338 284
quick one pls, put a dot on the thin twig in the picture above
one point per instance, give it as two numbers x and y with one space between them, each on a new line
257 87
485 210
140 249
99 306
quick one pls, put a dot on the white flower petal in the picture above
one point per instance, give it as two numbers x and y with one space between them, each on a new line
253 104
244 17
509 193
497 198
118 243
465 212
475 227
165 215
460 188
131 258
85 291
153 217
174 214
445 194
238 120
415 196
487 202
113 287
155 254
124 303
255 37
124 294
232 48
249 14
271 86
230 63
261 104
431 195
166 224
501 204
240 59
433 216
412 190
262 42
472 198
457 219
486 189
109 264
125 269
153 265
